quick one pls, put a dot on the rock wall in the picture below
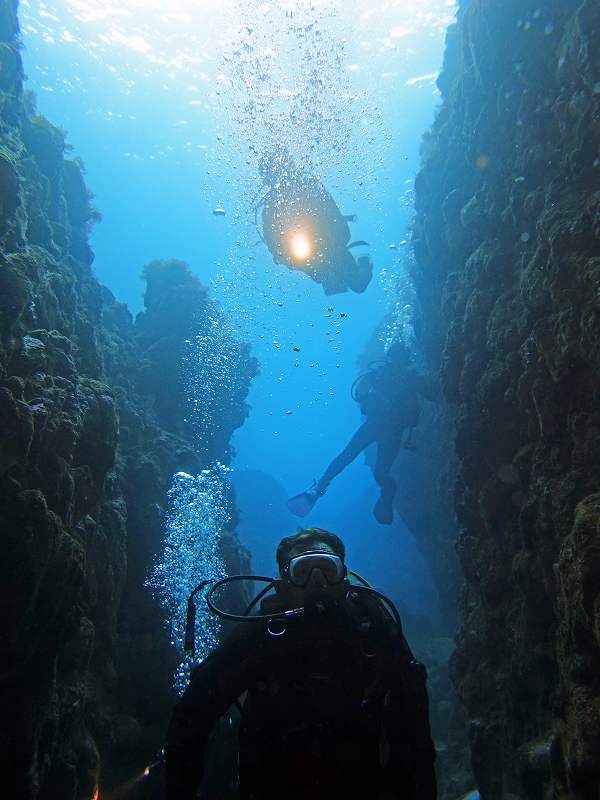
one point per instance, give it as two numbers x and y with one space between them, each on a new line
507 244
424 501
89 439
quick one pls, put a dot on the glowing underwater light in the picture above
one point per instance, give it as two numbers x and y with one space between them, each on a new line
301 247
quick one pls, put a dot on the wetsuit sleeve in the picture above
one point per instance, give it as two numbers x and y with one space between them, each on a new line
408 725
214 686
424 747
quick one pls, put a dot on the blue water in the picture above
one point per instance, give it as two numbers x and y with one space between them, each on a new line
166 105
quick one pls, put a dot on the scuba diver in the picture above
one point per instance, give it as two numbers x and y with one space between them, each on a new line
305 230
390 397
335 704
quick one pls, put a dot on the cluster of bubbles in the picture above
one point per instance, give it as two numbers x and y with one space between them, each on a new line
196 515
399 287
399 324
288 83
285 82
199 505
213 377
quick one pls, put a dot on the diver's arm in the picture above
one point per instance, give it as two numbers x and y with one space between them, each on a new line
214 686
424 747
413 751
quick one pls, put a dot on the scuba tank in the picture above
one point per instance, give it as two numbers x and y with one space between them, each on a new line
364 390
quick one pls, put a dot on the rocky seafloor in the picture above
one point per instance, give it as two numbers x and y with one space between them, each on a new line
507 273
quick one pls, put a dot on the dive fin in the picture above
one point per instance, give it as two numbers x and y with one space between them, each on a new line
358 243
302 504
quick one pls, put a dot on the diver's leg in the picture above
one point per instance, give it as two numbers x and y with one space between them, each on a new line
360 277
363 437
387 450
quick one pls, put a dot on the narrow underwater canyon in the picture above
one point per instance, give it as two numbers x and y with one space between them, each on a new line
503 491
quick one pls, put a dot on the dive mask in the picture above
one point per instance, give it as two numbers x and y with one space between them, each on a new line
299 569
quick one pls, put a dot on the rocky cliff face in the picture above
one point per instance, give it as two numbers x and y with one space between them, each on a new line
507 241
88 441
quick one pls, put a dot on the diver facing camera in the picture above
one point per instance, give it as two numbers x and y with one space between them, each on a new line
335 705
304 229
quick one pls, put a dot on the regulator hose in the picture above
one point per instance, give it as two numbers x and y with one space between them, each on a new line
392 608
371 367
189 639
278 616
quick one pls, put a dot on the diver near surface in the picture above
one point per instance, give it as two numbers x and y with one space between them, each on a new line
336 706
390 398
305 230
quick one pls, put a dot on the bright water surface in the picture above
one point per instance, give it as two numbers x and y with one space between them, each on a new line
169 103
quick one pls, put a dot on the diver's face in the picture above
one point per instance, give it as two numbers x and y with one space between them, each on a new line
316 583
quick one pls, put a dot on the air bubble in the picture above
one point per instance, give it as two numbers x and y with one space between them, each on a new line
197 513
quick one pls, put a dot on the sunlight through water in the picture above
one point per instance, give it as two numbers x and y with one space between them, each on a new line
172 104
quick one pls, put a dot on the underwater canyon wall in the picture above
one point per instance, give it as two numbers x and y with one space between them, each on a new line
507 246
424 473
91 430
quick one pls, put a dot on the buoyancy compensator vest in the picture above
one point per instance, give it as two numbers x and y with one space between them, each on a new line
316 714
322 718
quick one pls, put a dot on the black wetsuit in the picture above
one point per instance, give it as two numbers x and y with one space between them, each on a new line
333 711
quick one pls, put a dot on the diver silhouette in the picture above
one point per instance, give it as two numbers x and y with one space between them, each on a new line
390 397
305 230
335 705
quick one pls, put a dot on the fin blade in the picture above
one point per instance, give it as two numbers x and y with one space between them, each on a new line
302 504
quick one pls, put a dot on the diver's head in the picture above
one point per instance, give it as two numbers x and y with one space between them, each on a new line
311 562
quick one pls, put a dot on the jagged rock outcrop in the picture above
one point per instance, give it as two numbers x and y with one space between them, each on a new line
156 441
88 442
507 243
